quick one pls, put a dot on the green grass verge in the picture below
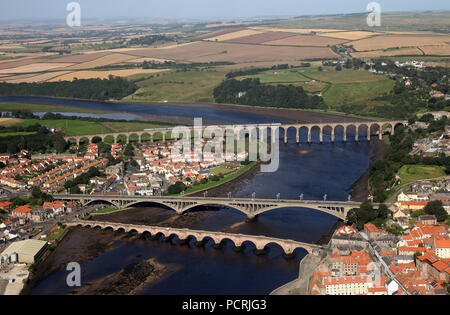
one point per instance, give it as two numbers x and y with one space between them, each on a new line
5 107
106 210
81 127
212 184
410 173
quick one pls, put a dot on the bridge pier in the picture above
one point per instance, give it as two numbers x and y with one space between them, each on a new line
218 245
251 218
260 252
288 256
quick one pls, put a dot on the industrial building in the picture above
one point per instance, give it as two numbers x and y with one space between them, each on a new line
27 251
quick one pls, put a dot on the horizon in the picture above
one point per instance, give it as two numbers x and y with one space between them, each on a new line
55 10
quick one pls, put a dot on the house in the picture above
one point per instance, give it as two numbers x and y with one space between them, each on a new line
442 248
444 197
428 219
371 230
430 265
22 212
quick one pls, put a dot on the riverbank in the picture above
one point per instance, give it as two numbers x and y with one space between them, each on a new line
286 114
131 280
222 190
301 285
359 190
65 253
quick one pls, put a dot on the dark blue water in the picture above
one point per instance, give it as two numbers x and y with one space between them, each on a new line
313 170
180 110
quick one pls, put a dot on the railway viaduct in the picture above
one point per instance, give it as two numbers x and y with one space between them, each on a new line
368 128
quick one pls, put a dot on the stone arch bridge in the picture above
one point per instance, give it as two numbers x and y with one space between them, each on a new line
369 128
250 207
184 235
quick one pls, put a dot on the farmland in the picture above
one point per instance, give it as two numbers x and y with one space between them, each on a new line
198 56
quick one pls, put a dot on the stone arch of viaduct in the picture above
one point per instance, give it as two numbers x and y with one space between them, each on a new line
371 128
260 242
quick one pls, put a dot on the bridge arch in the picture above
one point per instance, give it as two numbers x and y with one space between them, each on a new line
89 202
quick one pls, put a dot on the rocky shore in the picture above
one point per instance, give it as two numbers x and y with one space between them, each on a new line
130 280
360 189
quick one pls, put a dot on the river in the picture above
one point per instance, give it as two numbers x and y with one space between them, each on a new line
313 170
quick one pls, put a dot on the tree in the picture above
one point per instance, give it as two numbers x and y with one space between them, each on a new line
176 188
436 208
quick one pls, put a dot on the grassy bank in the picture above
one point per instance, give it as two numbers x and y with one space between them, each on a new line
212 184
10 106
81 127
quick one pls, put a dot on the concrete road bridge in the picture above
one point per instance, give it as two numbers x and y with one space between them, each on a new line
185 235
250 207
347 129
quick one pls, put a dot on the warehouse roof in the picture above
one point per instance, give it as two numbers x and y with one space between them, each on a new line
26 247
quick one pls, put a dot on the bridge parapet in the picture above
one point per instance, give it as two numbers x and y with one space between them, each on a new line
259 241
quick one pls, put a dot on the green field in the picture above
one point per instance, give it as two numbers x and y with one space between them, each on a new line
106 210
81 127
410 173
278 76
221 170
6 107
227 178
178 87
357 92
11 134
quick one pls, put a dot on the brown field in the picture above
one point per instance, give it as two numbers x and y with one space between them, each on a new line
306 40
260 38
35 67
36 78
295 30
102 61
16 77
141 60
16 63
222 24
80 58
436 50
352 35
87 74
6 122
222 32
387 53
240 53
385 42
233 35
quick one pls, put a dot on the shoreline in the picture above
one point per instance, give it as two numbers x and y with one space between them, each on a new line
289 114
360 188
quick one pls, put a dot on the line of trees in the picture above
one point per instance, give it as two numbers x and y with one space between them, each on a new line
42 140
95 89
252 92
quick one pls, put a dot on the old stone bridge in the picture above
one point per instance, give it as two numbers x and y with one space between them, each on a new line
357 128
201 237
250 207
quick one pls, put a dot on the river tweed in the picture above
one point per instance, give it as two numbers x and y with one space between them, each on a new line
312 170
